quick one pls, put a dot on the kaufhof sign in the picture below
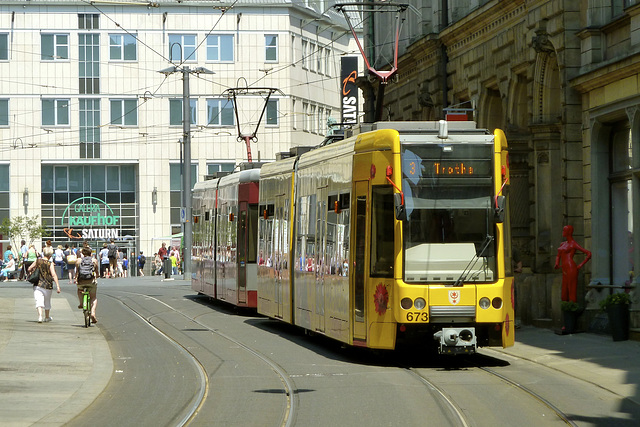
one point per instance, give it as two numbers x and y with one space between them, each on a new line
90 218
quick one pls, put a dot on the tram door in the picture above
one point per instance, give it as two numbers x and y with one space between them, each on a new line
242 251
281 256
358 267
321 246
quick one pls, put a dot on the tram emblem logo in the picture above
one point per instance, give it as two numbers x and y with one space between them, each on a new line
454 297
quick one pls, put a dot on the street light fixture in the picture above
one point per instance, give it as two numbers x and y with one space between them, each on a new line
25 199
154 198
186 160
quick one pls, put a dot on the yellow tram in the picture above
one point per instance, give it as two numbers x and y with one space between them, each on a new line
397 232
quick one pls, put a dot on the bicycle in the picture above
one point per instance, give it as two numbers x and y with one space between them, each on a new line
86 307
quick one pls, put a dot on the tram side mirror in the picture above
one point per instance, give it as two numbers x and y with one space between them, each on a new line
401 212
499 209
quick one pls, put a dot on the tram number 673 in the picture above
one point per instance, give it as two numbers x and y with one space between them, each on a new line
417 316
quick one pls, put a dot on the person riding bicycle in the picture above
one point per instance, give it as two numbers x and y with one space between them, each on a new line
86 278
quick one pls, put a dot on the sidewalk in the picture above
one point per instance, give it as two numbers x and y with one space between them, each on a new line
49 372
597 359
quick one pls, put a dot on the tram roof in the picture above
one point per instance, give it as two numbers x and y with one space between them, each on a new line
249 175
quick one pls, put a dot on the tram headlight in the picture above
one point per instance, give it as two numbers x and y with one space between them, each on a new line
419 303
497 302
406 303
484 303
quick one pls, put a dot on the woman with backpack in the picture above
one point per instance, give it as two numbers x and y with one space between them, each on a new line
42 291
86 269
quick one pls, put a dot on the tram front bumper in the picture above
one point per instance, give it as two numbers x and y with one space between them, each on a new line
456 340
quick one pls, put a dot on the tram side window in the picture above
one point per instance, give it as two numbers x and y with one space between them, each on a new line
252 233
382 233
337 246
305 244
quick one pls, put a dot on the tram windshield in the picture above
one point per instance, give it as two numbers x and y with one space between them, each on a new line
449 234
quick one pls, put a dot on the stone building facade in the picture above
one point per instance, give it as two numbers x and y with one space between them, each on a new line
561 79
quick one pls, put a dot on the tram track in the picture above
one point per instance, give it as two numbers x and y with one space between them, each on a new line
462 411
559 413
288 387
454 409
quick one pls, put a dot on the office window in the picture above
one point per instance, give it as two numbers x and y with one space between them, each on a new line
89 110
4 112
327 63
312 57
4 192
182 47
89 63
122 47
294 116
272 112
312 119
175 195
220 167
4 47
220 48
320 117
305 117
305 54
220 112
175 111
124 112
271 48
89 21
54 47
55 112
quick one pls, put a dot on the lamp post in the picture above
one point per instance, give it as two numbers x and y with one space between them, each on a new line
186 161
25 200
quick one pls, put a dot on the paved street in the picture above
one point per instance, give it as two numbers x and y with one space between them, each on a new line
50 372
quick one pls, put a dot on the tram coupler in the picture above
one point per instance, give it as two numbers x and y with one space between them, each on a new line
456 341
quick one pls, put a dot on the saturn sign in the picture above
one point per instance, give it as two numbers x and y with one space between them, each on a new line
90 218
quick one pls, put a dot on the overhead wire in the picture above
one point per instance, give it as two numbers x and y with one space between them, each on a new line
319 48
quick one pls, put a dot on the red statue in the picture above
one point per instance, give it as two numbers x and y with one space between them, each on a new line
566 251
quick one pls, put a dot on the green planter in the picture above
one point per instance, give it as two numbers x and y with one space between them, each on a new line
617 307
619 321
570 322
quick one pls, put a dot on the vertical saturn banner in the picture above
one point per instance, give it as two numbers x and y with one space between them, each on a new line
349 90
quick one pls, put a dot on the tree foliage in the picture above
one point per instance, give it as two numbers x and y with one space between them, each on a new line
22 227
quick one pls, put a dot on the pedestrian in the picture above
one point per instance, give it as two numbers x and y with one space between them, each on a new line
7 253
23 257
163 252
86 278
132 259
157 264
174 263
104 261
125 267
42 291
32 256
70 258
141 261
59 260
113 258
9 267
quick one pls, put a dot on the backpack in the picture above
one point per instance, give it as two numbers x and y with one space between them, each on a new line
85 271
113 251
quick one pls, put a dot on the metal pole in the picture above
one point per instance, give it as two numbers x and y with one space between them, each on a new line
186 173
